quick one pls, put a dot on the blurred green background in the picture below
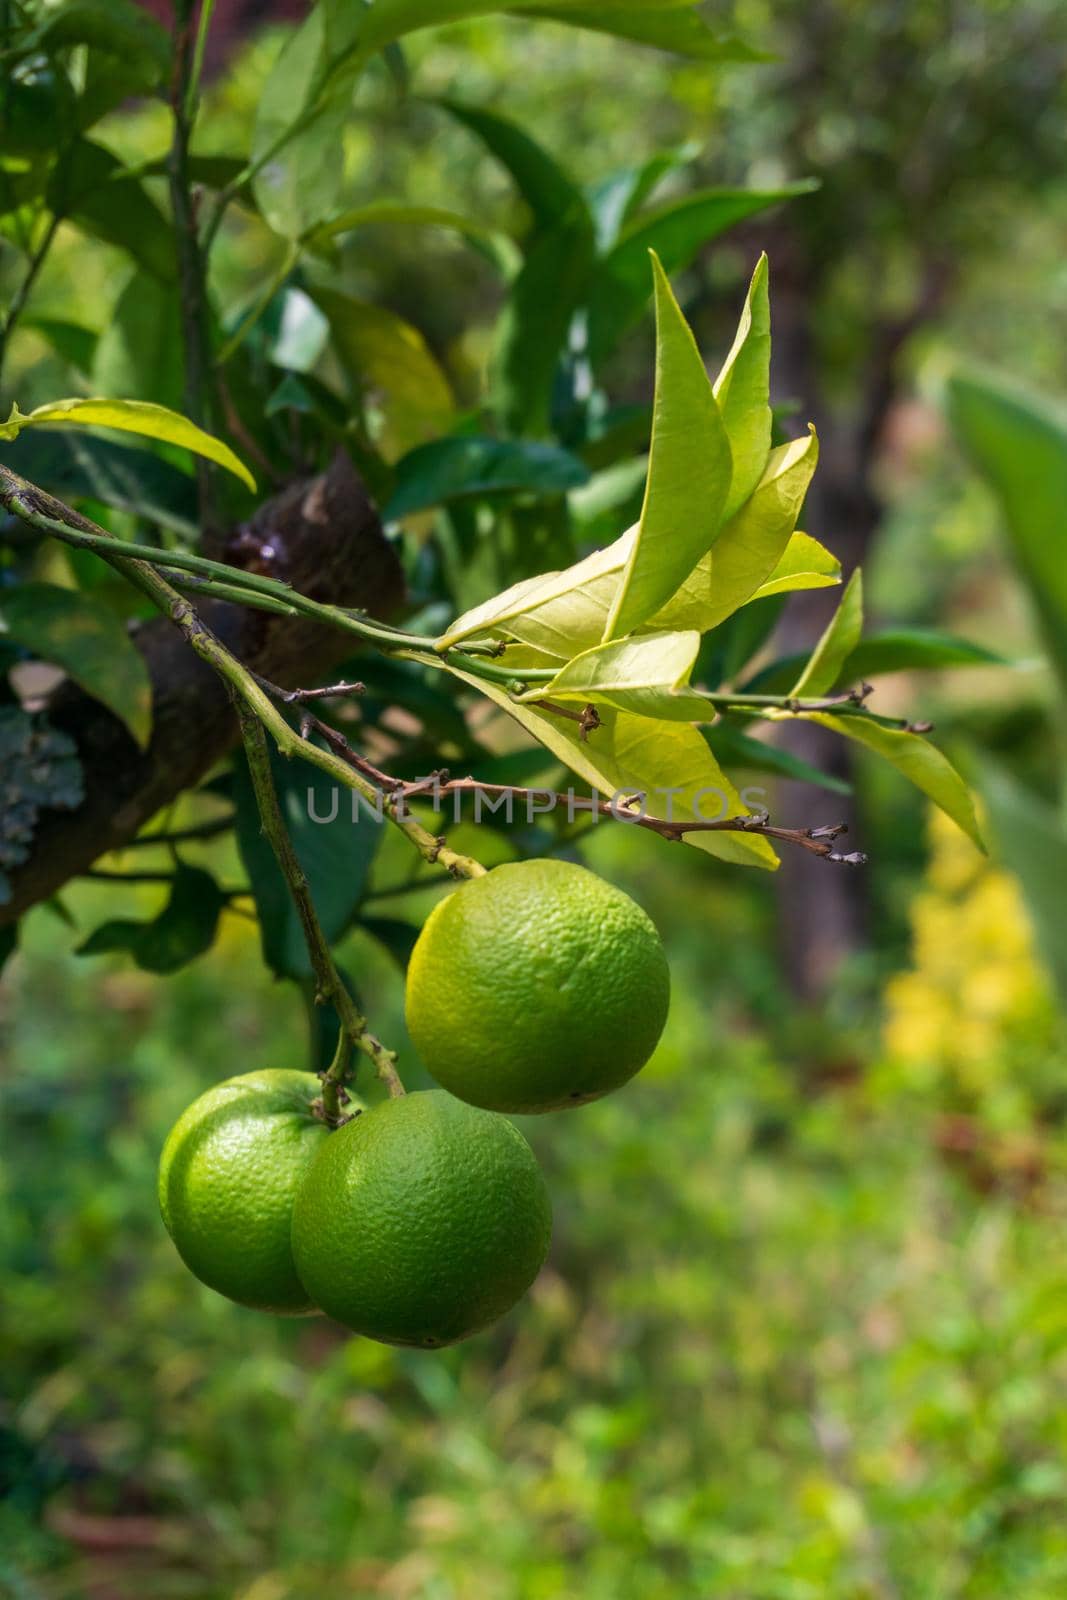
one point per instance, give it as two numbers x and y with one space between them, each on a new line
803 1332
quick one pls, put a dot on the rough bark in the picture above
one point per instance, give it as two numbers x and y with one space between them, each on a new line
325 538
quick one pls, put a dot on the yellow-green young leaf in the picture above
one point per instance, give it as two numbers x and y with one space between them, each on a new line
559 612
392 364
749 547
688 472
806 564
918 760
131 416
642 674
841 637
628 754
743 392
88 641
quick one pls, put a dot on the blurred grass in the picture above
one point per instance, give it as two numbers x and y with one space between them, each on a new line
792 1342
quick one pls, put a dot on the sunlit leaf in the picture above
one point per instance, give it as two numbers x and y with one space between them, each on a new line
558 612
920 762
130 416
670 762
688 473
839 639
805 564
640 674
89 642
751 545
743 392
393 366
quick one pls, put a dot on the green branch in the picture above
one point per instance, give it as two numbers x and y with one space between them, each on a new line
42 511
355 1032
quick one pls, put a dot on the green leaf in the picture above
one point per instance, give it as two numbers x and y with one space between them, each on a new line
88 187
391 19
732 748
840 638
670 762
398 938
389 360
560 613
130 416
675 231
391 213
140 351
919 761
1019 443
1029 837
805 564
115 27
616 199
83 466
88 641
534 326
908 649
751 545
688 473
642 674
550 192
743 392
76 345
298 138
184 929
451 469
681 31
335 855
553 281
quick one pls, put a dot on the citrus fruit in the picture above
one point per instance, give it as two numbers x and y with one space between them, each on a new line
228 1176
536 987
421 1221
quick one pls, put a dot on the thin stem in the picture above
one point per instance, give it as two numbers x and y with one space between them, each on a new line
262 300
355 1032
193 835
192 287
255 589
22 294
196 69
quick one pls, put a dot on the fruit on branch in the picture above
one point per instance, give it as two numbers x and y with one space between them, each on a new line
228 1178
421 1221
536 987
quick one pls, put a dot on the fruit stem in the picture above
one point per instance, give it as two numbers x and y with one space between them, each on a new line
355 1031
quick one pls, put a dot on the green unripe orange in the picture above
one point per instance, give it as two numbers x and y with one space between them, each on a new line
536 987
421 1221
228 1178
